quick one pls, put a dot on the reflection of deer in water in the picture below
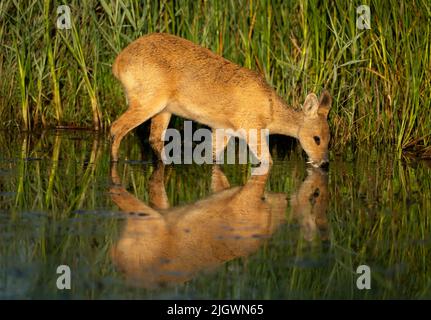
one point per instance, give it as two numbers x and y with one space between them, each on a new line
160 244
309 204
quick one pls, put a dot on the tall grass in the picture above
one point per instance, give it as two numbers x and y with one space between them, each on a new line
380 78
51 51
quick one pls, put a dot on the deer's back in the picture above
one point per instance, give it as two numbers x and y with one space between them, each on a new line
194 82
184 59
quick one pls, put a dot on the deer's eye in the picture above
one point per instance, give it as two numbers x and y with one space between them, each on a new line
317 140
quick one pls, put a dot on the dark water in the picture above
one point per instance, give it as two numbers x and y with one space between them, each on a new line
141 230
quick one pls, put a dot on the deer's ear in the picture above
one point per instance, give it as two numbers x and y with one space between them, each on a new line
311 105
325 103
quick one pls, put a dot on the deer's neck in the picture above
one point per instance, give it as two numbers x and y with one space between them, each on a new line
285 120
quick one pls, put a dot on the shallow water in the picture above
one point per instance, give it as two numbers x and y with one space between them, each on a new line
141 230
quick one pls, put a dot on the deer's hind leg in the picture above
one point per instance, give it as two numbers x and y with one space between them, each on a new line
139 111
159 123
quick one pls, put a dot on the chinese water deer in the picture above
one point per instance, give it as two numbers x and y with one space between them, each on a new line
161 245
163 75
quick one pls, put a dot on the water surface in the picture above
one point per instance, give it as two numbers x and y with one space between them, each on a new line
143 230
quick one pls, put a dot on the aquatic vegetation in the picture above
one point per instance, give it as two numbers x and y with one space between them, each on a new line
380 77
56 207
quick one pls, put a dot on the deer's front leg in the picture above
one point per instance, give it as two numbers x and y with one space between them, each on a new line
258 144
219 143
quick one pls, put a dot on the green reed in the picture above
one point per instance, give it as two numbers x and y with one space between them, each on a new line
51 53
379 78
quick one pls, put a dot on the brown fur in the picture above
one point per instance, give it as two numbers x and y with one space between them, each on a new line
163 75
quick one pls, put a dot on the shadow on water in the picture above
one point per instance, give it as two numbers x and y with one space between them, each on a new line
141 230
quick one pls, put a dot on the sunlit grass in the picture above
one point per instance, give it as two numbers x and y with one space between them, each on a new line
380 78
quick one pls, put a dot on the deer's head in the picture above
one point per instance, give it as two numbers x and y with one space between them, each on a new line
313 133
